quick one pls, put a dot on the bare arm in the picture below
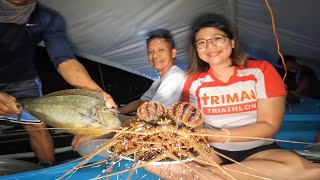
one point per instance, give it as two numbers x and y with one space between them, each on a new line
269 120
76 75
131 107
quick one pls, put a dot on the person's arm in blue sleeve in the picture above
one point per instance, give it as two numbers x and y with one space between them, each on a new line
62 56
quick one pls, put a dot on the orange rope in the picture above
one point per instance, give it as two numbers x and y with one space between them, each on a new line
277 40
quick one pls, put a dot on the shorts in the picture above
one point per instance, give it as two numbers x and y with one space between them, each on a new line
26 90
242 155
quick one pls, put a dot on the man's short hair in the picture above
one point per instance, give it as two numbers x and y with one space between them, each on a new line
161 33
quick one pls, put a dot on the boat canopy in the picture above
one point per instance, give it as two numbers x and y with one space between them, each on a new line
113 32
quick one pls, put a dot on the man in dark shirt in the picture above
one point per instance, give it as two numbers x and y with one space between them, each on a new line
303 79
23 25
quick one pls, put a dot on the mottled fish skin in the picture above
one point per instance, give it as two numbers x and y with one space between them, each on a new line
75 108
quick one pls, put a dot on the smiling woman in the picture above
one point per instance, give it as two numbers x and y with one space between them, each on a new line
238 97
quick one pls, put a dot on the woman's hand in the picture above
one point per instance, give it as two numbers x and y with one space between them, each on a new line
202 130
214 135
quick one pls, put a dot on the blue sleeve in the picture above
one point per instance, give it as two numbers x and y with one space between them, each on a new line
55 40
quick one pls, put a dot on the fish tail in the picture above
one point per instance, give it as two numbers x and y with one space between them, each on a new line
19 117
20 107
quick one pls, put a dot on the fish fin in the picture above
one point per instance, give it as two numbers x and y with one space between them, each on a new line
112 110
20 107
82 92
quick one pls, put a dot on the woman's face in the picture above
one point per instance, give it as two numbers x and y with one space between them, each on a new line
216 51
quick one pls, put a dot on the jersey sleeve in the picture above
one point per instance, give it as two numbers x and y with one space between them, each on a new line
270 82
56 42
186 90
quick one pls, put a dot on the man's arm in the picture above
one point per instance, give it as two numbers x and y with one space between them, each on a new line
76 75
131 107
62 56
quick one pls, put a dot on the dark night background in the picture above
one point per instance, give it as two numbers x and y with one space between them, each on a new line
123 86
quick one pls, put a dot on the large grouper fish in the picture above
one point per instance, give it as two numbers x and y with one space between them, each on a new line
77 111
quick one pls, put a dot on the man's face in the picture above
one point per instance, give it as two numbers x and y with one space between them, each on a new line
290 65
160 54
20 2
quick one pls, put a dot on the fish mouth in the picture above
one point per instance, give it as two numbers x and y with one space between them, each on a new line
112 125
109 123
115 127
112 110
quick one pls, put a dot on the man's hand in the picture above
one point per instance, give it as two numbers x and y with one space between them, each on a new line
76 75
109 101
8 105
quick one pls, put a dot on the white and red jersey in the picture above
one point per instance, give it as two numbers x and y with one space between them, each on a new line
234 104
